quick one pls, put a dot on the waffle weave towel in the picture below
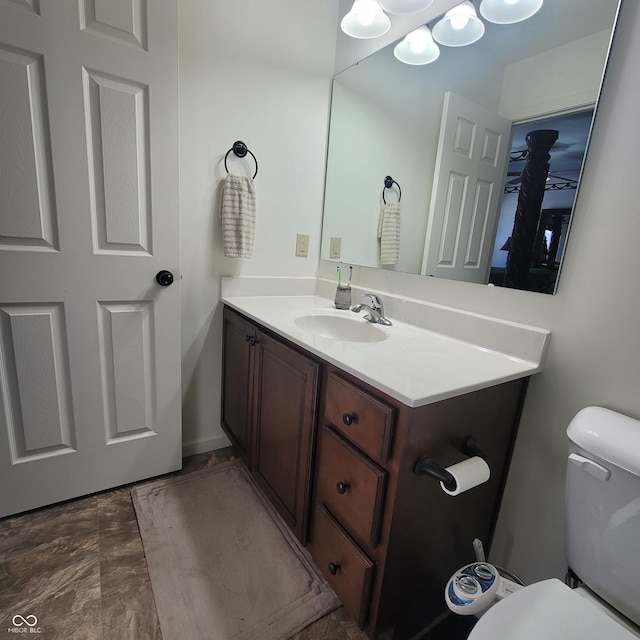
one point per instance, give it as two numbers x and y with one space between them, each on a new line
238 213
389 233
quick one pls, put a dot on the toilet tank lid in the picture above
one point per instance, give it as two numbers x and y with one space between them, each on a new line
608 435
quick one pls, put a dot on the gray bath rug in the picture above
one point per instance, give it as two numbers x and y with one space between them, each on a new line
222 563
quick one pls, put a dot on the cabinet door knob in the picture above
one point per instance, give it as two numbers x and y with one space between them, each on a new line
349 418
252 340
341 487
333 568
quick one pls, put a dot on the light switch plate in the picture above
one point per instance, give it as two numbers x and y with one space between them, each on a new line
335 247
302 245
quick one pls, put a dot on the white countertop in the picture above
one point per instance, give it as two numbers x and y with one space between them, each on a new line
414 365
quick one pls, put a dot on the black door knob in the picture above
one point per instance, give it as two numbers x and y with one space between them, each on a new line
333 568
164 278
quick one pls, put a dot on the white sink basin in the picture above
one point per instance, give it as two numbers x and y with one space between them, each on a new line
339 327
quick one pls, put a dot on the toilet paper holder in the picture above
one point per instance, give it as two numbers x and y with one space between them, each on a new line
426 465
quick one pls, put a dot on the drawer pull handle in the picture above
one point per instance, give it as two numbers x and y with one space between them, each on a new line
349 418
341 487
333 568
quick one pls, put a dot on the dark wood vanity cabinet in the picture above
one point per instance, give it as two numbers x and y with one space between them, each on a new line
386 540
269 411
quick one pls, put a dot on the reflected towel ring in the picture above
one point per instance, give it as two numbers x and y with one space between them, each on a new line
241 150
388 183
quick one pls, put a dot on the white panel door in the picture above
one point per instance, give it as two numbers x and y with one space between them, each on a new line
89 342
471 164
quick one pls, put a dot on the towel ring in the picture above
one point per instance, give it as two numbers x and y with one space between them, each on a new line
388 183
241 150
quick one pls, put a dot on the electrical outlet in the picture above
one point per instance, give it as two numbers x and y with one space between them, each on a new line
302 245
335 247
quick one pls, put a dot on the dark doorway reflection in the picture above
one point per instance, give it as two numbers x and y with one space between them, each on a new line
540 190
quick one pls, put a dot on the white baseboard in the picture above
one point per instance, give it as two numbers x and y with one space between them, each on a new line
206 444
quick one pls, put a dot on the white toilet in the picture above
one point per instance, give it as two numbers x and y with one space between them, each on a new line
602 503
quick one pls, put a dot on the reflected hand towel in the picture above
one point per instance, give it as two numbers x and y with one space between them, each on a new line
389 233
238 216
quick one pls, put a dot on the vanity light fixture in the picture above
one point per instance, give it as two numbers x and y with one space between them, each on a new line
404 6
365 20
417 47
509 11
459 27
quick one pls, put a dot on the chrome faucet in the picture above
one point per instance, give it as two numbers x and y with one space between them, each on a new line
375 309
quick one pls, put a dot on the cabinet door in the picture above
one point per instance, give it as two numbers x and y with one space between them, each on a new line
285 405
239 339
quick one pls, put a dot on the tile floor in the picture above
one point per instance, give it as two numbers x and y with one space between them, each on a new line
79 567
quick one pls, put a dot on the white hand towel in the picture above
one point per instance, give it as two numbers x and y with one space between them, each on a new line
238 214
389 233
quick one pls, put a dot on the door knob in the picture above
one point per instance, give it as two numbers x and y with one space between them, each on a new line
334 567
164 278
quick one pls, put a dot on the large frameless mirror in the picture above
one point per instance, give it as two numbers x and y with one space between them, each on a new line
462 144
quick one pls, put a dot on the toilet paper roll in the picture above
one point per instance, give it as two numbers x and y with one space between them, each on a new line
468 474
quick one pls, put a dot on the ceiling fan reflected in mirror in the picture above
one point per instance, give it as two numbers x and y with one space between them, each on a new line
555 182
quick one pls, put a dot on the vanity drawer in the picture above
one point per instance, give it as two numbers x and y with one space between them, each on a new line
345 567
363 419
351 487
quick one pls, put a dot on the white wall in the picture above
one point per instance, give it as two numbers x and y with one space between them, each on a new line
258 72
594 357
541 85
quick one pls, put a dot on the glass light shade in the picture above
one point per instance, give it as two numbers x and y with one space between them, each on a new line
365 20
459 27
508 11
417 47
404 6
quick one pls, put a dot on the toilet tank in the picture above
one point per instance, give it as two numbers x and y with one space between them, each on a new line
602 502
